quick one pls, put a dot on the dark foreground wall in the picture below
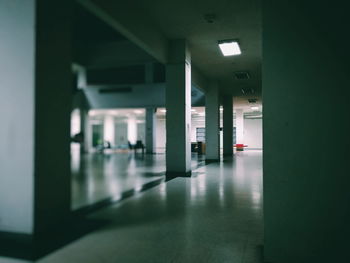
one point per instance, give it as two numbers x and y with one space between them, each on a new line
306 131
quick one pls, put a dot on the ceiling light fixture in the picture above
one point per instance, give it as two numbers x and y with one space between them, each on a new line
229 47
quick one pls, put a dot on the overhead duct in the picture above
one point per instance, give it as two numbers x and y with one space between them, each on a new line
115 90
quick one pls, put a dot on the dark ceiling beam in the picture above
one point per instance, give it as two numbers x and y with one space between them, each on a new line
136 27
121 53
132 24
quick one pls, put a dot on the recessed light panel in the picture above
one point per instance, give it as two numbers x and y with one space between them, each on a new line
230 47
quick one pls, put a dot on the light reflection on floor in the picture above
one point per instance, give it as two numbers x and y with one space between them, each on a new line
214 216
97 176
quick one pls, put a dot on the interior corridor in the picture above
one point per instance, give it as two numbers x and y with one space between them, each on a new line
215 216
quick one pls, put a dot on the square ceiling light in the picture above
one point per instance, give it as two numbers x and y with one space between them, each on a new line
229 47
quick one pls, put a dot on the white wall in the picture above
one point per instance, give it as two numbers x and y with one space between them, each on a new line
108 129
161 134
240 126
121 133
194 126
75 122
161 138
253 133
120 128
141 131
17 121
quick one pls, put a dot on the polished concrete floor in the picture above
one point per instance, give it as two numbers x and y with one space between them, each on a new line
97 176
215 216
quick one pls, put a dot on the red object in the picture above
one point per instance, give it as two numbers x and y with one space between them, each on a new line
240 146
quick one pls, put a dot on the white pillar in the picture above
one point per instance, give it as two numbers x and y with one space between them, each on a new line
108 129
239 126
36 96
178 105
81 75
228 125
212 123
132 129
151 130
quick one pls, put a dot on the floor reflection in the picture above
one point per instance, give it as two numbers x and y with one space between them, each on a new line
96 176
213 216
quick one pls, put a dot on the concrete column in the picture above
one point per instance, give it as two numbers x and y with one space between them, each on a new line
239 126
132 129
36 95
228 125
88 135
178 105
151 127
212 122
84 129
108 129
80 102
80 71
82 78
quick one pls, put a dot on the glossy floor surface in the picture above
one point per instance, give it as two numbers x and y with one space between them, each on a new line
215 216
98 176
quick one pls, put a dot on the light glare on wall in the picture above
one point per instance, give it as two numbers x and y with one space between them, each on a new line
229 47
255 108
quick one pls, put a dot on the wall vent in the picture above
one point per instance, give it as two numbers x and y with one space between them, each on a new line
247 91
242 75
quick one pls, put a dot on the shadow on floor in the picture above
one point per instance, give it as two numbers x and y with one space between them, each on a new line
29 247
